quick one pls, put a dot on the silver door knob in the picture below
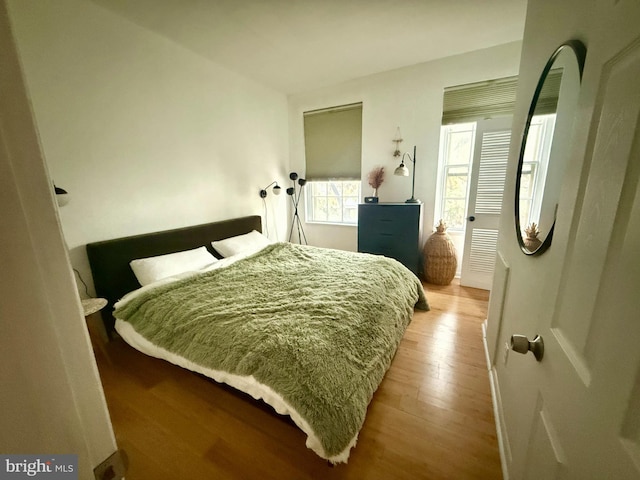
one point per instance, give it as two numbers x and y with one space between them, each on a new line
521 344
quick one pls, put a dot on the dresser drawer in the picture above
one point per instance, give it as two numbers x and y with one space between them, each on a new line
390 246
384 217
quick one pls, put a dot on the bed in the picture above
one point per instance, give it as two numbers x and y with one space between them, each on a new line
310 331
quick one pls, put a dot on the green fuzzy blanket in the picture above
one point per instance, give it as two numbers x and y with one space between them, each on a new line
318 326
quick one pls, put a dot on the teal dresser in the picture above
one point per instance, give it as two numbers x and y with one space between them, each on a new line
393 230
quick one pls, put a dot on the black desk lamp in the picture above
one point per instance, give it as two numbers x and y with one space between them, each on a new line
403 171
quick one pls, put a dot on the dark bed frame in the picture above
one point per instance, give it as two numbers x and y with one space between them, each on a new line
109 259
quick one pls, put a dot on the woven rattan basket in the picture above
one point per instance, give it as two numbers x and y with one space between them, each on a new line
440 261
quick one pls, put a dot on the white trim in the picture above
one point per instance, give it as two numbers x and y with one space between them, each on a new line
313 222
503 444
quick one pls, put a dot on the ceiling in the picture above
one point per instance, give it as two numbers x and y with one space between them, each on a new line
298 45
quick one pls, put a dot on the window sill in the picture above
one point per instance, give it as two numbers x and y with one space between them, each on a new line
333 224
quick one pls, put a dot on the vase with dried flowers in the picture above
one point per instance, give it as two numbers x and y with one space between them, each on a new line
375 179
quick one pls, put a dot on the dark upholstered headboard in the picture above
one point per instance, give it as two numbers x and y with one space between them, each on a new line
109 260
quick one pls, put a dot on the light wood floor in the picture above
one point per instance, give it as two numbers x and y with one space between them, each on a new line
431 418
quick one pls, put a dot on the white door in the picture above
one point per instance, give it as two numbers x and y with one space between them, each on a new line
488 170
51 396
576 414
588 413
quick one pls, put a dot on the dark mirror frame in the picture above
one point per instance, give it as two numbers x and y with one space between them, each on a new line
580 52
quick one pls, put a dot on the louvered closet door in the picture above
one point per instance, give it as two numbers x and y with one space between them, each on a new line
488 171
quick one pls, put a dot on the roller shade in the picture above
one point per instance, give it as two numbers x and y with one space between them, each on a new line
333 143
495 98
548 99
477 101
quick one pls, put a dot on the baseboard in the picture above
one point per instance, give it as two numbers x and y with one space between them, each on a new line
487 356
503 444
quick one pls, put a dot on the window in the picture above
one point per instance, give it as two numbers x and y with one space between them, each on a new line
456 152
333 201
333 151
464 107
474 152
534 166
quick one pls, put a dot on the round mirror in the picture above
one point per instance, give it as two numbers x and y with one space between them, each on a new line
545 147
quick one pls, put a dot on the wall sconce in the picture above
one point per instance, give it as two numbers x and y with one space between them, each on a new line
276 189
403 171
62 196
398 141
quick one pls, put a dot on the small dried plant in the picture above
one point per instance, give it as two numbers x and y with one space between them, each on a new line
532 230
376 177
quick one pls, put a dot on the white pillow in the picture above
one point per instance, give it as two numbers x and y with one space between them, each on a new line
152 269
248 243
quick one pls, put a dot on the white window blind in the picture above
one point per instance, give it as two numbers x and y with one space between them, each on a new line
333 143
484 243
477 101
492 171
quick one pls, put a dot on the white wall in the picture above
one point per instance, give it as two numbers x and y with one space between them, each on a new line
409 98
144 134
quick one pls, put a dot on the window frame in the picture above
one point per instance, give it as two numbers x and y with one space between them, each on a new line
310 196
538 161
444 167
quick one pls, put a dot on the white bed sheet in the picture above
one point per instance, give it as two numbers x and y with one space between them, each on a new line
246 384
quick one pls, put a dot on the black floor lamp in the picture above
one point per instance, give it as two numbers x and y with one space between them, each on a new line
295 194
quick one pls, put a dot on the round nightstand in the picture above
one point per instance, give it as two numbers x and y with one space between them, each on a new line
93 305
97 332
